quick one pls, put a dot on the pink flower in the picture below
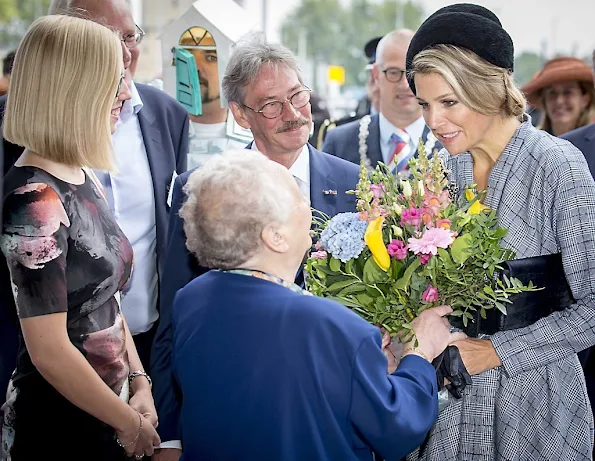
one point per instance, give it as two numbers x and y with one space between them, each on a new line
397 249
433 203
411 216
430 295
320 254
377 190
431 240
443 223
318 245
425 259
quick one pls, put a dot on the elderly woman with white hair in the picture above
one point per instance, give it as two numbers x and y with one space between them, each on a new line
267 371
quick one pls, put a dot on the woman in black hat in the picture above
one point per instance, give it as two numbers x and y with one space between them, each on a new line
527 400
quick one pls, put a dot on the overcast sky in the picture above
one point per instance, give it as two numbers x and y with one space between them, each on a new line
562 26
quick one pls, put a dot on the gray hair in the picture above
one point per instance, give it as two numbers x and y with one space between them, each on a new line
396 37
73 7
249 54
231 198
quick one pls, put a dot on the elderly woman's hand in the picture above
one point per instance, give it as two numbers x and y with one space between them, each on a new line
393 349
478 355
432 333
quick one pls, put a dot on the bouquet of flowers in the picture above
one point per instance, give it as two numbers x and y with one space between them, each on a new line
411 246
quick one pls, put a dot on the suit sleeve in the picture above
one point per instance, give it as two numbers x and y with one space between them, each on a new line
328 145
182 150
393 413
177 273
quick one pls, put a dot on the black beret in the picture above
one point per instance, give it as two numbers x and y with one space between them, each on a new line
467 26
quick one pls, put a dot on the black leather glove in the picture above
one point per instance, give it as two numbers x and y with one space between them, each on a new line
450 365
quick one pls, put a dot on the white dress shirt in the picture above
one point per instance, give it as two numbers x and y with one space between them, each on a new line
415 132
131 197
300 170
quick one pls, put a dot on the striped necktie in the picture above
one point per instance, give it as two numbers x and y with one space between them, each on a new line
402 151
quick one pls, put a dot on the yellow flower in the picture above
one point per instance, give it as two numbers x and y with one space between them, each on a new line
373 238
477 207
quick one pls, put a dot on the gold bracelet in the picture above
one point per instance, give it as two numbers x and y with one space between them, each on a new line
416 351
140 418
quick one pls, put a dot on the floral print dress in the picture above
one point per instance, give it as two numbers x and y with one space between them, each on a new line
65 254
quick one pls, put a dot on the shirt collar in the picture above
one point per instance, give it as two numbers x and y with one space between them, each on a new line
415 130
134 104
301 167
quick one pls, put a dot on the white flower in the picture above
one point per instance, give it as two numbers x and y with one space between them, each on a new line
406 188
397 209
420 188
397 231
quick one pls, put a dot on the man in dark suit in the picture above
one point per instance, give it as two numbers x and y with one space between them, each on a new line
392 135
151 145
274 104
584 139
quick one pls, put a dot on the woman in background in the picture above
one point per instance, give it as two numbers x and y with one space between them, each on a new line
564 91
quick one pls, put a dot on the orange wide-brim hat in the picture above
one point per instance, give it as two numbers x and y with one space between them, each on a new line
557 70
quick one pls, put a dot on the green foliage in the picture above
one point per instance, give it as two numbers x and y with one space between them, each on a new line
336 34
525 66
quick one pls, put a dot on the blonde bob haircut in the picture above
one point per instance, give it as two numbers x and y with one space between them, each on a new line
63 85
479 85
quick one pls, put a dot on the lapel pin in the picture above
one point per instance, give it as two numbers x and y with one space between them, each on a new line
329 192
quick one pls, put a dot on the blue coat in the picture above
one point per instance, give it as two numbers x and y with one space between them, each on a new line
270 374
164 126
326 173
343 141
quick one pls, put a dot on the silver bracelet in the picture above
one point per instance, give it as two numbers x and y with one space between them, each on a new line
136 374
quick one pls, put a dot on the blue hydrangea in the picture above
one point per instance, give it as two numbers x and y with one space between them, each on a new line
343 238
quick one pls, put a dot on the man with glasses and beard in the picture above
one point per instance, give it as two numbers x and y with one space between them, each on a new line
210 131
267 95
392 135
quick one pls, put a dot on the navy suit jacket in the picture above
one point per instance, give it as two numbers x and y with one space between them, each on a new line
270 374
164 126
343 141
326 173
584 139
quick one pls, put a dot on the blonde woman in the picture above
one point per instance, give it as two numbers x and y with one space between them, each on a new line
528 399
67 257
564 90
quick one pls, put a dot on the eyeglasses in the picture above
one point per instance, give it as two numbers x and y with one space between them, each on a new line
132 40
551 95
394 74
118 91
275 108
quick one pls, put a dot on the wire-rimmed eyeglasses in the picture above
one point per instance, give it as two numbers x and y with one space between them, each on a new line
275 108
132 40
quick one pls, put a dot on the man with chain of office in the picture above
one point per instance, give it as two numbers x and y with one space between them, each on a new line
392 135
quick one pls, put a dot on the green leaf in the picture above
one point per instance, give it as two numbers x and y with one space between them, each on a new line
364 299
460 249
446 259
403 282
349 266
334 264
356 287
343 301
342 284
372 273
